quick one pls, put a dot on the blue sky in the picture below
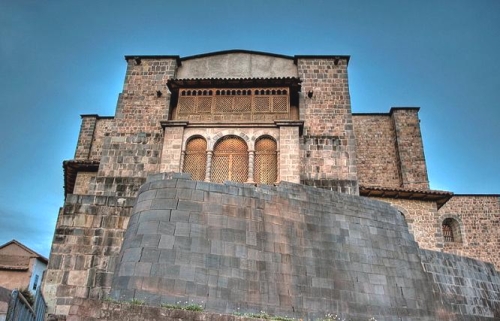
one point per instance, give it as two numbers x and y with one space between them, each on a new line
60 59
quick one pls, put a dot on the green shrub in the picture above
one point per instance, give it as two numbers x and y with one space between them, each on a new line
186 306
279 318
110 300
28 296
136 302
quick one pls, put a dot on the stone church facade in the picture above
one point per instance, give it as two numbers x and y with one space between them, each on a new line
254 119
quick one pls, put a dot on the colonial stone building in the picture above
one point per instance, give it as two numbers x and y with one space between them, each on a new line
254 120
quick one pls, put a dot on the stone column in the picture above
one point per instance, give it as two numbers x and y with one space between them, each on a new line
277 167
208 170
181 164
251 157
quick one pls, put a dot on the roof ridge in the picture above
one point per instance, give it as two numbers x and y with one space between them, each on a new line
35 254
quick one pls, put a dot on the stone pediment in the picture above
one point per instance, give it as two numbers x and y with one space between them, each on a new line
237 64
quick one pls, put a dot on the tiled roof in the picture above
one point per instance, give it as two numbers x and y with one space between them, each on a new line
72 167
27 249
440 197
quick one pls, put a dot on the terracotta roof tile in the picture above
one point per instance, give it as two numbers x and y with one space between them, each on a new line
440 197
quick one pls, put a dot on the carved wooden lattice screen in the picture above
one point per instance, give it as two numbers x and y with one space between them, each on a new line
258 104
195 160
266 171
230 160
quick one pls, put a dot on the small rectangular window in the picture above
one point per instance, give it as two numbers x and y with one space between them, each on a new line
35 283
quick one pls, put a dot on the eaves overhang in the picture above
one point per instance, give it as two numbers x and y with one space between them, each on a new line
13 268
236 51
175 84
138 58
335 58
295 58
440 197
393 109
71 169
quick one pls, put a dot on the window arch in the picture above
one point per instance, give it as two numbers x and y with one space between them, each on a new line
230 160
266 161
451 230
195 158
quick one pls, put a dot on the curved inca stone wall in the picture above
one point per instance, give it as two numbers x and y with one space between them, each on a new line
469 289
288 250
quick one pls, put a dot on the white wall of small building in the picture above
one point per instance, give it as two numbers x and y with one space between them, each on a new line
38 269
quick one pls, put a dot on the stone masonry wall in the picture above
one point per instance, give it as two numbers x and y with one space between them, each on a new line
140 109
468 288
134 146
86 242
410 148
289 250
479 220
115 186
390 149
103 128
289 154
378 161
422 220
85 137
128 147
95 310
93 130
328 148
82 182
172 149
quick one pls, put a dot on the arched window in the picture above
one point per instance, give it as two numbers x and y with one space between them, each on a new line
195 160
451 231
266 161
230 160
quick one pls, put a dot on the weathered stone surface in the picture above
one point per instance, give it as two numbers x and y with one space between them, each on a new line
243 242
92 232
329 252
328 147
479 222
239 65
466 286
94 310
390 149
